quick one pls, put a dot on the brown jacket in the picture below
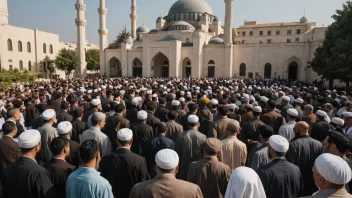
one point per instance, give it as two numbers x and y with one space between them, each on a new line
165 186
9 151
220 127
274 120
211 175
173 130
331 193
310 119
246 117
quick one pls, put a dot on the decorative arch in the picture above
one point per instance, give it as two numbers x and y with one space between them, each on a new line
9 44
115 67
186 67
29 48
21 65
243 69
160 65
267 70
19 46
293 66
211 68
29 66
137 66
44 48
51 49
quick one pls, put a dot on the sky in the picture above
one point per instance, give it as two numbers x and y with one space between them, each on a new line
58 16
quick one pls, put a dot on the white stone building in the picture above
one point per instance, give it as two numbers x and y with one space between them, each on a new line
190 40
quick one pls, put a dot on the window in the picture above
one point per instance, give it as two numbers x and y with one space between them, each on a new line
44 48
288 40
187 40
298 31
21 65
277 32
29 66
9 45
29 49
250 74
243 41
19 46
251 33
51 50
211 62
10 67
243 33
268 41
269 32
289 31
297 39
243 69
261 33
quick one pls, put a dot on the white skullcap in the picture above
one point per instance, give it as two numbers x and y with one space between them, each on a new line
278 143
95 90
338 121
154 95
299 101
333 168
122 92
89 91
125 134
257 109
292 112
321 113
64 127
282 93
197 88
142 115
193 119
286 98
166 159
97 116
134 101
347 114
48 114
150 92
103 87
182 93
29 139
264 99
175 103
95 102
182 99
233 106
214 101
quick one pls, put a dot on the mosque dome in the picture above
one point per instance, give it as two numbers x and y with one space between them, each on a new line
129 40
216 40
190 6
142 29
181 25
153 31
304 19
169 38
159 19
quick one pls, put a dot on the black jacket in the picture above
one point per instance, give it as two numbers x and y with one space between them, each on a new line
320 130
131 115
37 122
161 113
77 129
152 121
184 121
141 133
110 127
63 116
74 157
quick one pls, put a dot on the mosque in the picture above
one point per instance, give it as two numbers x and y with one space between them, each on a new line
191 41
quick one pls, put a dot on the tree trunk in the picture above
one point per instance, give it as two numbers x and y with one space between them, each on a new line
331 84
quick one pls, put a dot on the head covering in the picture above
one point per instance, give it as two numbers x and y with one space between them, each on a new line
264 99
212 145
347 114
245 182
338 121
292 112
166 159
125 134
257 109
333 168
299 101
321 113
175 103
286 98
193 119
233 106
95 102
278 143
142 115
182 99
122 92
97 116
205 100
48 114
29 139
64 127
214 101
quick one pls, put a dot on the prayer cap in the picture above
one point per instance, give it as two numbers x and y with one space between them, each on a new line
214 101
122 92
278 143
64 127
182 93
233 106
321 113
299 101
29 139
257 109
48 114
142 115
166 159
193 119
175 103
333 168
124 134
264 99
292 112
149 92
249 106
97 116
89 91
212 145
182 99
205 100
95 102
286 98
338 121
347 114
154 95
134 101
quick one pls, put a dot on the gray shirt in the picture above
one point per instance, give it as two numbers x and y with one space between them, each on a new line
94 133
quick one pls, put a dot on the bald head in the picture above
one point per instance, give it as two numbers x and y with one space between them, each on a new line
301 128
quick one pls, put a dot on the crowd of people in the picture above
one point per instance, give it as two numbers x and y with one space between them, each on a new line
175 138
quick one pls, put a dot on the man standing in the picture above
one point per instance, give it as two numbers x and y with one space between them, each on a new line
302 152
320 128
249 134
58 168
151 119
272 118
193 108
14 115
162 111
208 173
78 126
260 156
347 117
189 145
64 129
173 128
280 178
285 105
234 152
25 178
154 145
165 183
123 169
141 132
48 133
308 116
94 133
63 114
286 130
86 181
220 126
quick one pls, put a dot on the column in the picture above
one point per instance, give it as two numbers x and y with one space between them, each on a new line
103 33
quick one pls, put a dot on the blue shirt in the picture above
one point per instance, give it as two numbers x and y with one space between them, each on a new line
87 183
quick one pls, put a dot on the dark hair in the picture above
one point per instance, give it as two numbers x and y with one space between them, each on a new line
172 115
256 113
292 117
88 150
223 110
272 104
191 124
164 171
124 143
151 107
58 144
11 112
266 131
192 107
119 108
337 138
41 107
64 105
17 103
8 127
280 154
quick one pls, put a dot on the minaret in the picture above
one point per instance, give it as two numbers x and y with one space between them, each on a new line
133 17
228 22
4 13
81 71
103 33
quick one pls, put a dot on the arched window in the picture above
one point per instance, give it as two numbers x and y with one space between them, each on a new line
211 69
29 66
21 65
267 70
211 62
29 48
243 69
166 63
44 48
187 40
51 50
9 45
19 46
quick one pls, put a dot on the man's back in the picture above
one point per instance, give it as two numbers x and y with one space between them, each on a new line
94 133
110 127
47 133
234 152
173 129
220 127
9 151
274 120
63 116
78 127
141 133
161 113
320 130
87 182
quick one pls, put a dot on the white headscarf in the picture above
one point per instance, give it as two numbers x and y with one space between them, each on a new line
245 183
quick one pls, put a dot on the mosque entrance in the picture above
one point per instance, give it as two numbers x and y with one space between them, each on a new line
160 65
137 68
115 67
293 71
186 68
267 70
211 71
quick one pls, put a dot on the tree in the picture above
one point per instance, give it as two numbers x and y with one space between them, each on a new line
66 61
333 60
120 38
92 58
15 76
48 64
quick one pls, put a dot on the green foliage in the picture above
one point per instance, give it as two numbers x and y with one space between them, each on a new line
333 60
66 61
92 58
15 76
120 38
